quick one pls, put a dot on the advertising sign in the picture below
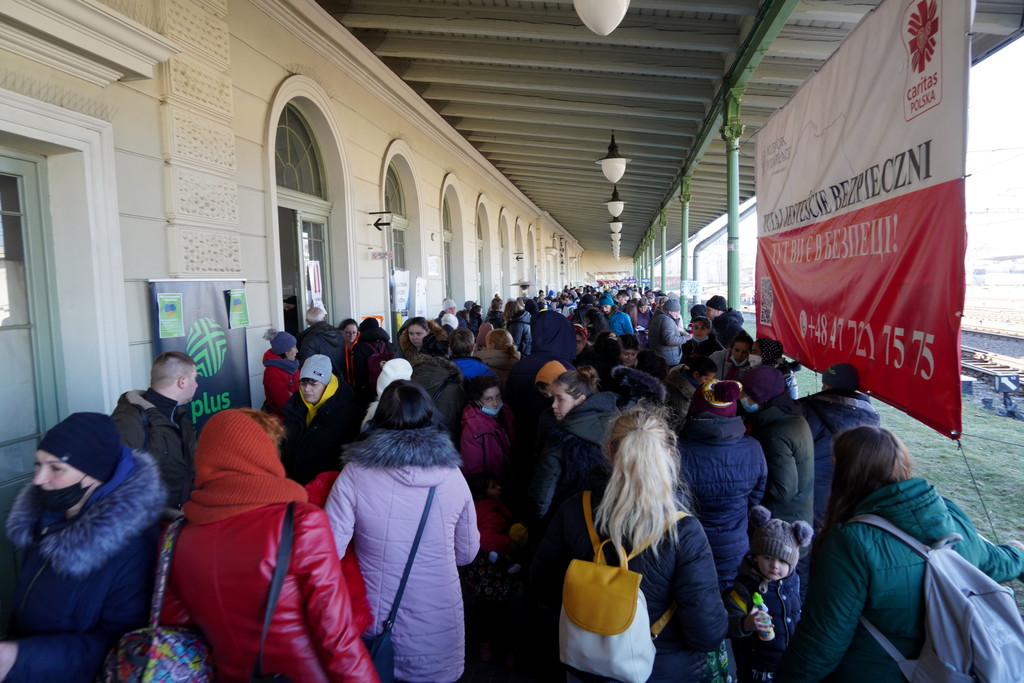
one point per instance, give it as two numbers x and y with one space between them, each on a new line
205 309
861 214
400 290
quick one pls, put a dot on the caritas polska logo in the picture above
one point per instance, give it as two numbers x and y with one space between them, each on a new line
921 39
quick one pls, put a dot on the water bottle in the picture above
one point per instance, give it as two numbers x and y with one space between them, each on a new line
759 605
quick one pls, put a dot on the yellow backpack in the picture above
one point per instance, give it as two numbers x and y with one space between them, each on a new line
603 627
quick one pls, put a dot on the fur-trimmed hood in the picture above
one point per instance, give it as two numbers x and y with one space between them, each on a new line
82 545
395 448
634 385
427 368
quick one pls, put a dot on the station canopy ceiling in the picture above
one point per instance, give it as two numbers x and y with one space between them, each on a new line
539 94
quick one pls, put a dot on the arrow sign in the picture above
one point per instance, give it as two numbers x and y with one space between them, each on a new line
519 258
1004 383
381 223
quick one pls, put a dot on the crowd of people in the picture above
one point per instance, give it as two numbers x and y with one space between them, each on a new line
474 453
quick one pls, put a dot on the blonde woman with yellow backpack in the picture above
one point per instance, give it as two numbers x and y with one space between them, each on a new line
631 566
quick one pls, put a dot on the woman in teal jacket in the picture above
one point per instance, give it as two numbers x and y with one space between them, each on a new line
861 570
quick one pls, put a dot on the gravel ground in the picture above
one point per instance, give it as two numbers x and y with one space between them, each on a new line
1003 346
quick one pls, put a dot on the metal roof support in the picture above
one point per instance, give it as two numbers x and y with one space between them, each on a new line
650 245
684 234
663 224
731 133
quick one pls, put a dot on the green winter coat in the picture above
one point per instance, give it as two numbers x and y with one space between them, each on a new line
863 570
788 446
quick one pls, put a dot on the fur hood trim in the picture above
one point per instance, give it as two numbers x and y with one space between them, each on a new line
393 448
85 543
638 384
436 361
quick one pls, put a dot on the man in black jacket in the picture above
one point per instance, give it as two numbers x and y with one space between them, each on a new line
323 338
159 422
725 321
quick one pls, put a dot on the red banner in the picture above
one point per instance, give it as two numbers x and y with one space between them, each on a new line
881 288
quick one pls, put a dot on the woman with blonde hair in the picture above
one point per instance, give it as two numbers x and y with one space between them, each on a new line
863 571
637 507
500 354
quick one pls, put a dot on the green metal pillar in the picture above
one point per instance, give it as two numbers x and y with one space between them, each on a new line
663 224
654 255
684 236
732 130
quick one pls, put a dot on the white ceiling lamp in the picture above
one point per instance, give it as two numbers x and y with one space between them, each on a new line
615 225
613 164
601 16
615 205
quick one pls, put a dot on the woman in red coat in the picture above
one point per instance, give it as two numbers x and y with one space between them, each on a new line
281 374
225 556
487 435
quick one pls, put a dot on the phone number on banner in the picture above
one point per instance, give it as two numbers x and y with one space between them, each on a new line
897 347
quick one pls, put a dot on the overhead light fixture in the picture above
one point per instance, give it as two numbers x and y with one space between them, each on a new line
601 16
615 224
615 205
613 164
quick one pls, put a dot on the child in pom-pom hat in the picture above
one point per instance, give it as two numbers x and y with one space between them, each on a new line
769 571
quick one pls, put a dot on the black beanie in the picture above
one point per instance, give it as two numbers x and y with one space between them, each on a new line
88 442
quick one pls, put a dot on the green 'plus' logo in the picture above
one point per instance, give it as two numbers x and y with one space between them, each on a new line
207 345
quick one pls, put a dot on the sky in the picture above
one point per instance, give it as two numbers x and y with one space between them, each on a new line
995 157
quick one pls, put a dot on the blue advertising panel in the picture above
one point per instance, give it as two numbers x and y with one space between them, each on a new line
201 318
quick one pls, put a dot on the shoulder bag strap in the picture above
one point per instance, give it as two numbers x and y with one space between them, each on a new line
887 526
588 514
408 565
284 553
163 570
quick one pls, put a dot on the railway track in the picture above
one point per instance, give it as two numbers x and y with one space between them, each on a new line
991 364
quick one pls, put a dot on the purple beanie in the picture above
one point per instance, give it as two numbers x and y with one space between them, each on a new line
763 383
281 343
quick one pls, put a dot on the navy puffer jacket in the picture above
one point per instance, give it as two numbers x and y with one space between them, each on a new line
684 574
726 473
828 413
85 581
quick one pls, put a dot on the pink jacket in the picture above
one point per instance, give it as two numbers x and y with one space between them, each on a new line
376 503
486 442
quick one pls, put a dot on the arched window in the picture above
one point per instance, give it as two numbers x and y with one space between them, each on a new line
484 298
394 201
302 216
298 160
449 235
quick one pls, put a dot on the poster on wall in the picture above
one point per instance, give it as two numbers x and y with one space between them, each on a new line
421 297
316 284
205 309
400 291
861 213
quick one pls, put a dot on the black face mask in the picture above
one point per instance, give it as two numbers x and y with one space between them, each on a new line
59 500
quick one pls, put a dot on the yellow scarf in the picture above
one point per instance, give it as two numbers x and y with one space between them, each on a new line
332 388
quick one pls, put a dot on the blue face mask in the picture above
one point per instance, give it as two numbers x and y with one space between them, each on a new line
493 412
749 407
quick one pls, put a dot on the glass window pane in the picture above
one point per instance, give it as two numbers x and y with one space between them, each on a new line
394 200
297 158
447 268
17 384
13 292
399 240
17 458
446 219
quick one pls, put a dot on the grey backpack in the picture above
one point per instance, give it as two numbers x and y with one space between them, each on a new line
973 629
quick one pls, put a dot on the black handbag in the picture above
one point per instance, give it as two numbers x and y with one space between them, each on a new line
380 647
284 553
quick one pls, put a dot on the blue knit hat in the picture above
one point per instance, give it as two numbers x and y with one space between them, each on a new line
282 343
606 300
89 442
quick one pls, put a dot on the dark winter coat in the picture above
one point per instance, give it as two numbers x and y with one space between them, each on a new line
496 318
726 473
172 444
679 390
683 573
603 363
828 413
706 348
310 449
665 338
571 450
519 328
486 442
368 344
553 340
632 386
443 381
86 581
788 447
643 320
726 326
376 503
781 599
861 570
324 338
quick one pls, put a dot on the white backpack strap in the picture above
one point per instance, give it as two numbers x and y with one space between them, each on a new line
906 667
885 525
